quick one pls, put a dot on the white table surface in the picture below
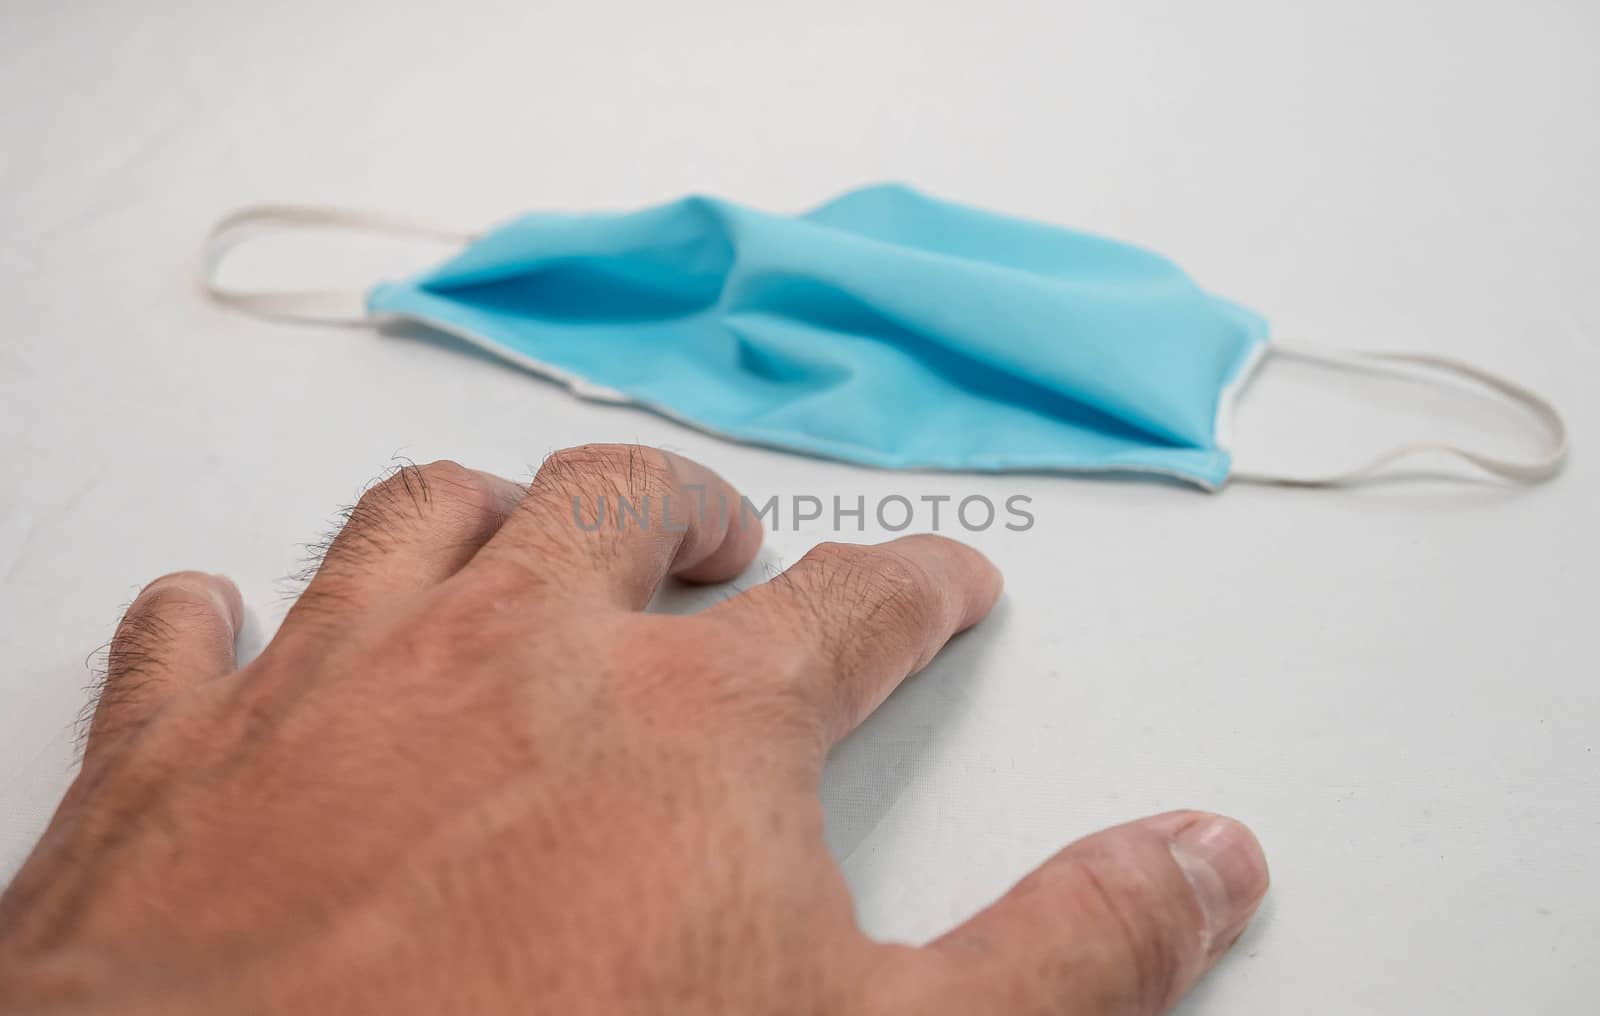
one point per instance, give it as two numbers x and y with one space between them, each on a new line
1395 685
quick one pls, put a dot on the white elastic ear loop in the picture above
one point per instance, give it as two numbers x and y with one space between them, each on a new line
1531 471
339 306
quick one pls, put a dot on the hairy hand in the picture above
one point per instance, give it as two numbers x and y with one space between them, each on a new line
469 774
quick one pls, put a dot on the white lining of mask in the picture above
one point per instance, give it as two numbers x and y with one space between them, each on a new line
1228 400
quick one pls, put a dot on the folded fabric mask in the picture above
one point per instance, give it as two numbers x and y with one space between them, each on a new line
885 327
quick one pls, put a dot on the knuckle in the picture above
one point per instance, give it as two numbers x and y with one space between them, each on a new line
934 544
907 597
442 490
857 603
140 641
177 600
825 576
397 496
174 585
410 488
898 576
891 593
174 607
626 468
447 473
463 493
831 556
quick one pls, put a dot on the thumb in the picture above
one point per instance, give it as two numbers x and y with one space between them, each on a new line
1122 922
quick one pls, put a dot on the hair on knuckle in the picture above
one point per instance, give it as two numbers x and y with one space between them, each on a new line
123 667
466 497
833 582
615 470
366 528
445 475
605 483
404 483
355 538
141 641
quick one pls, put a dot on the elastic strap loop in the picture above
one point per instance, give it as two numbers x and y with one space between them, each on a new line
343 306
1533 470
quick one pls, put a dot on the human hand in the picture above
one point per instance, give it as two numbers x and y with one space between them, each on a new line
469 774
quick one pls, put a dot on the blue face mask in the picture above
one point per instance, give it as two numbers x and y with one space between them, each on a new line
885 328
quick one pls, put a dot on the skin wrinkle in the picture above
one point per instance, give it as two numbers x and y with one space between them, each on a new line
452 784
1151 981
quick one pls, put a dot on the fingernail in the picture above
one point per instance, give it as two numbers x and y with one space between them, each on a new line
1227 871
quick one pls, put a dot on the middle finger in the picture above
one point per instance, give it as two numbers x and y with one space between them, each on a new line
609 522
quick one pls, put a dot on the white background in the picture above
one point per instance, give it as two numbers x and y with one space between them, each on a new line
1395 686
